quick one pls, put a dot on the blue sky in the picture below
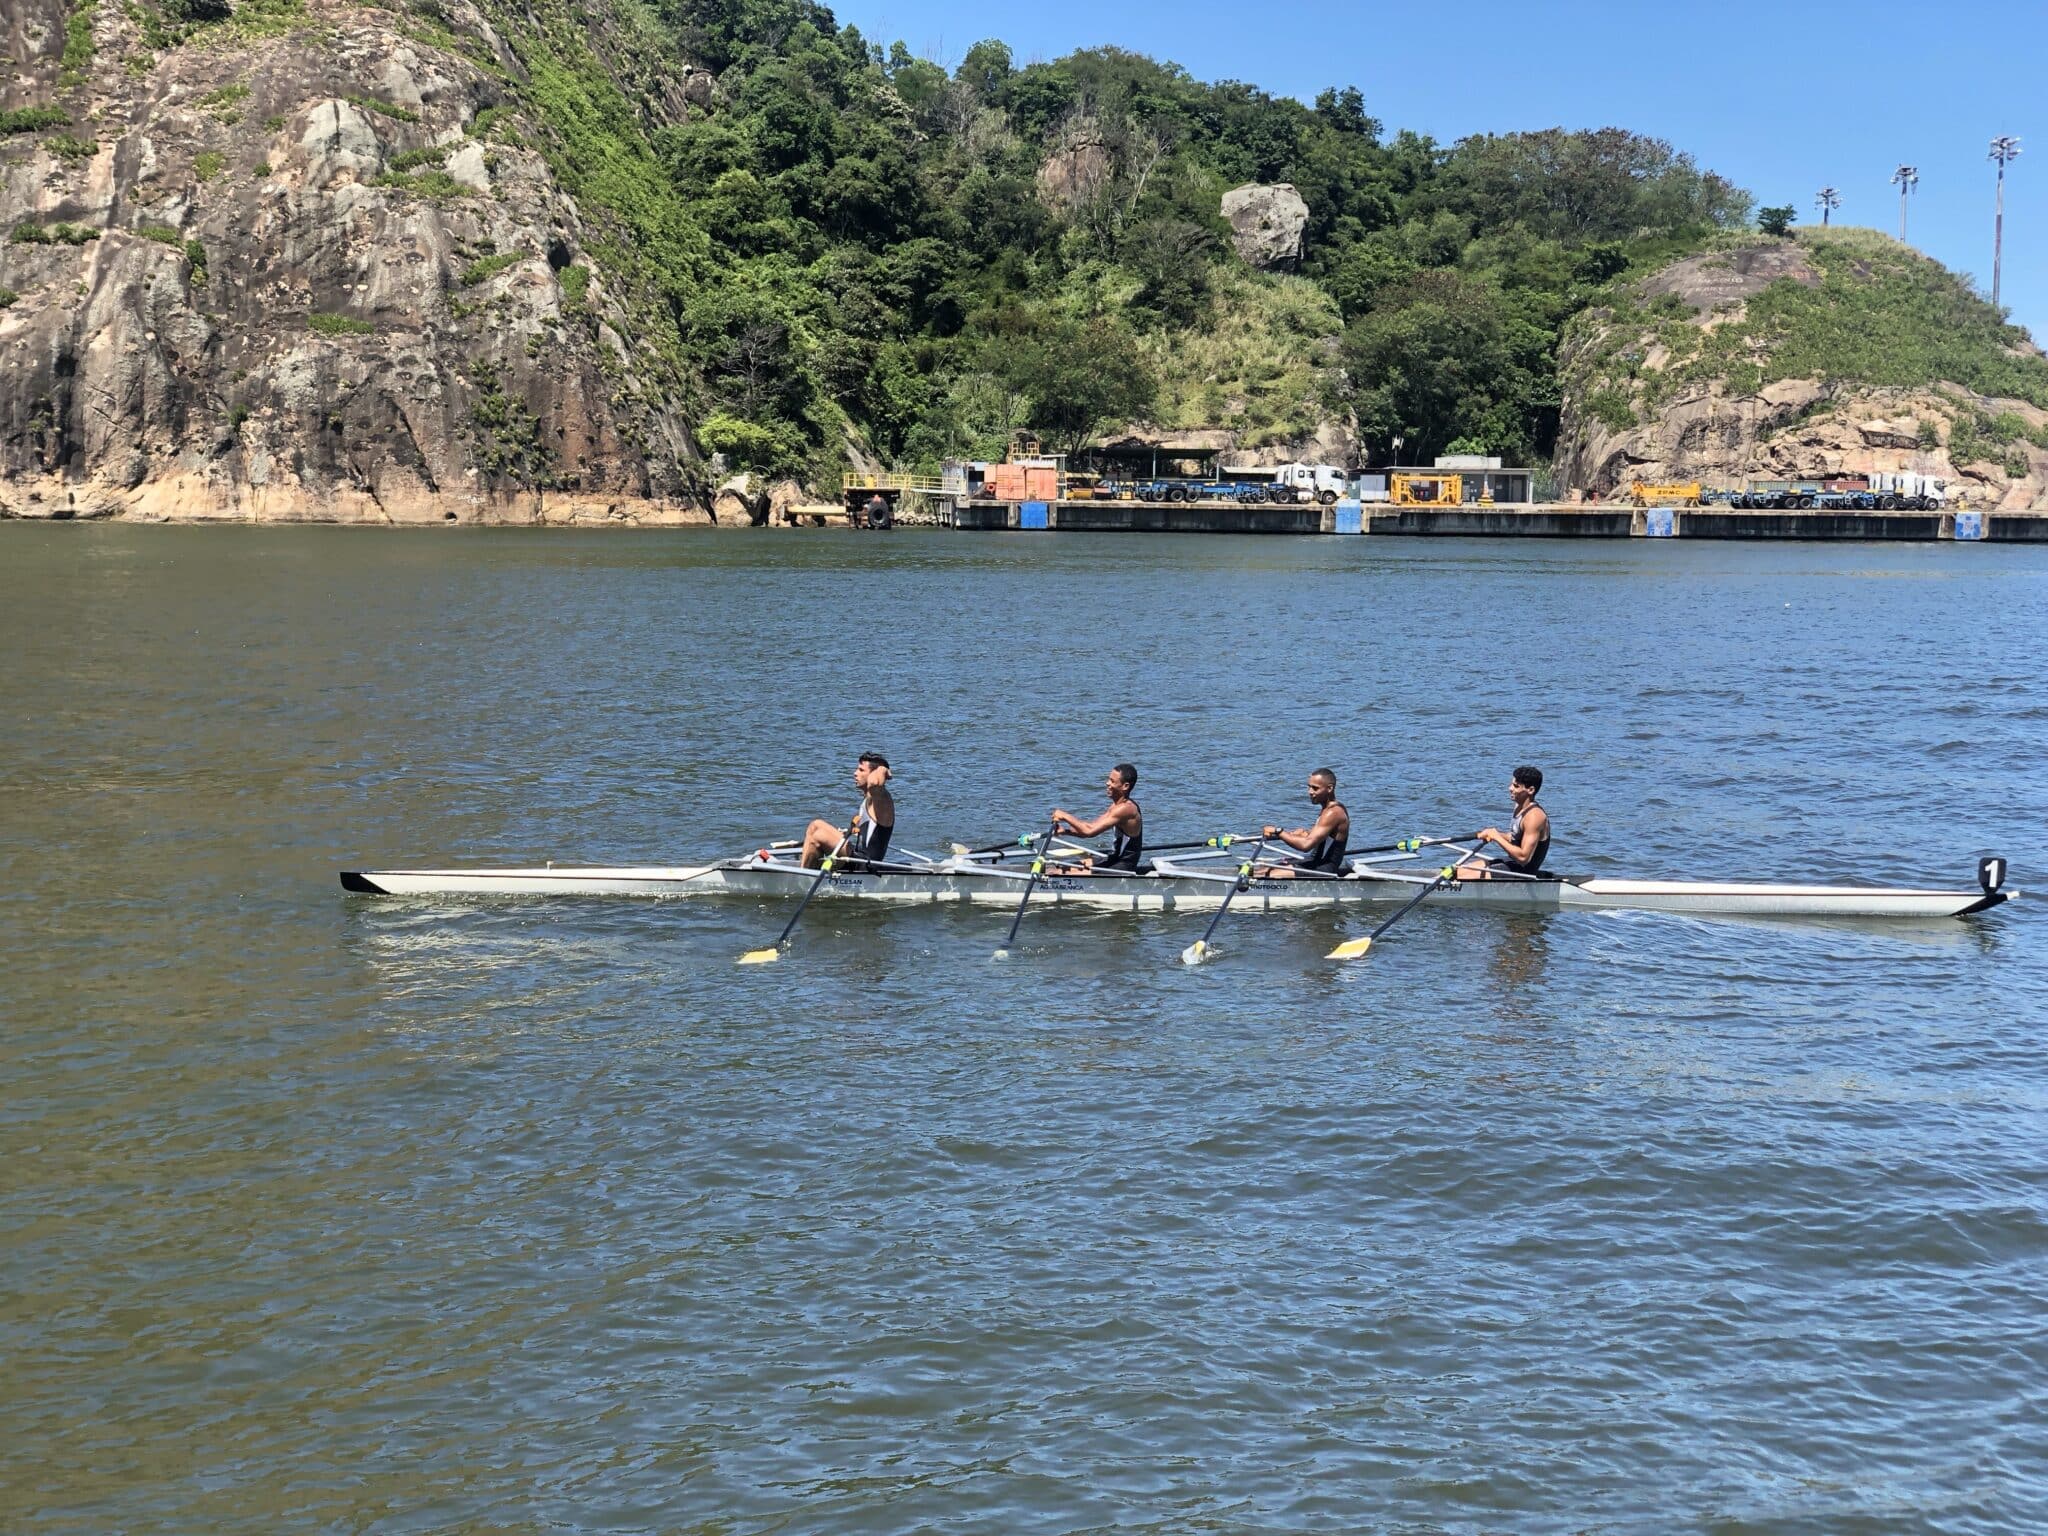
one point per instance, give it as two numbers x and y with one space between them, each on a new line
1781 98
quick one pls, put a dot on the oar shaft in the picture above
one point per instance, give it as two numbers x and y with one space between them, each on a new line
790 927
1244 875
1037 869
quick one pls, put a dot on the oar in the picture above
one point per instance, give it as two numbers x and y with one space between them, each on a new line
1351 949
1037 869
774 951
1199 951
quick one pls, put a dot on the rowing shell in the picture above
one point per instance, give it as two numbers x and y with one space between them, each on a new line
1172 887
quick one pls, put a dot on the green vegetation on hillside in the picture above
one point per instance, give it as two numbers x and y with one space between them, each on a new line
855 238
1881 314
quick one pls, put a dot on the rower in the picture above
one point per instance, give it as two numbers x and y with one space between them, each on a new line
1321 845
1124 819
1526 843
867 838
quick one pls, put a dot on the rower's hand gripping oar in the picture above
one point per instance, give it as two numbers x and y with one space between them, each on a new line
1199 951
1351 949
774 951
1037 869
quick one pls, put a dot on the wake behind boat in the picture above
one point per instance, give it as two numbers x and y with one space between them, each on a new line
1196 881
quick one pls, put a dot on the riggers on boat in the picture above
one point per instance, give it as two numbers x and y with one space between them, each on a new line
1185 884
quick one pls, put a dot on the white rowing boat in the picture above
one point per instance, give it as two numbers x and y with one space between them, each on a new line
1193 884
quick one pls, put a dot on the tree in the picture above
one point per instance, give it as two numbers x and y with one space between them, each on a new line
1777 221
1444 357
1078 375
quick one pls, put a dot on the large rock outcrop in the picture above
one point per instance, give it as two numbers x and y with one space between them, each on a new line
1708 371
1266 225
305 275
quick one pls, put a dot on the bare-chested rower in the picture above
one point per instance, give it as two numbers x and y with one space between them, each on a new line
868 837
1322 843
1123 818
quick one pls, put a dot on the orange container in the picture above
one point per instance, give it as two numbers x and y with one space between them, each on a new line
1042 484
1009 482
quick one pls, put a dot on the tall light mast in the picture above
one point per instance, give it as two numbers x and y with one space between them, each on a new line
1827 200
2003 148
1905 178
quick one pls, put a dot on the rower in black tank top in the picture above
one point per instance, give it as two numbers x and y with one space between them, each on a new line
1326 854
1534 864
1126 852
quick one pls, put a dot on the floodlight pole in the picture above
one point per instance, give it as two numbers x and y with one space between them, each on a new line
2003 148
1905 178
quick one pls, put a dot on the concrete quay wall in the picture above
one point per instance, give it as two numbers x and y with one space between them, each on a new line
1563 520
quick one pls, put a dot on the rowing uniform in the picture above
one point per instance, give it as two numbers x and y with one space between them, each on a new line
1326 854
1126 852
1535 861
871 842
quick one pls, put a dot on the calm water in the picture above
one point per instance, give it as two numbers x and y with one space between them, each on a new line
327 1213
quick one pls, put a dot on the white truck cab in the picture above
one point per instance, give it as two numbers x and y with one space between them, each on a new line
1322 482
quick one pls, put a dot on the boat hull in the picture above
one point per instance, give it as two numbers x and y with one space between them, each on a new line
1177 889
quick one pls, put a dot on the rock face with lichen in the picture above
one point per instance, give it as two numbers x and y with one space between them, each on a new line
303 264
1840 353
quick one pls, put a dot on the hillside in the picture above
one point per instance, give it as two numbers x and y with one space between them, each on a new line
454 259
1840 351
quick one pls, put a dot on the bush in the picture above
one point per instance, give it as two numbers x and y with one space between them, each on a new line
337 325
163 234
65 147
575 283
485 268
7 297
30 119
388 108
195 253
207 164
413 159
53 234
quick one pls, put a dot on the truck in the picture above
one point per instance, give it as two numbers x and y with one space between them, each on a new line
1920 493
1325 483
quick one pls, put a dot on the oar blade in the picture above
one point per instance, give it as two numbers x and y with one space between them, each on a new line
760 956
1350 949
1196 952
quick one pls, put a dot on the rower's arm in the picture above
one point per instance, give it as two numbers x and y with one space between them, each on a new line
1301 839
883 804
1071 823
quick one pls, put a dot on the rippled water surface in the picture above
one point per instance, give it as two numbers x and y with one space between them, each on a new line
325 1212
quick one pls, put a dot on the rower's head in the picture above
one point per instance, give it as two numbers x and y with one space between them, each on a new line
1525 783
1322 786
872 769
1122 779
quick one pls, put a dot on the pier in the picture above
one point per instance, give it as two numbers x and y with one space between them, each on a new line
1559 520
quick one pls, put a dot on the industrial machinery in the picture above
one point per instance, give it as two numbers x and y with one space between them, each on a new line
1427 490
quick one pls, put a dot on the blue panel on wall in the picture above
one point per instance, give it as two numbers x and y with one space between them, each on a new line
1969 525
1031 514
1660 523
1349 519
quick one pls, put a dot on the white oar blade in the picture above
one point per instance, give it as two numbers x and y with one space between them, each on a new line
1196 952
760 956
1350 949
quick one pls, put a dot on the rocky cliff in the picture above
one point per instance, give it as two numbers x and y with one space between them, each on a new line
1840 352
303 260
